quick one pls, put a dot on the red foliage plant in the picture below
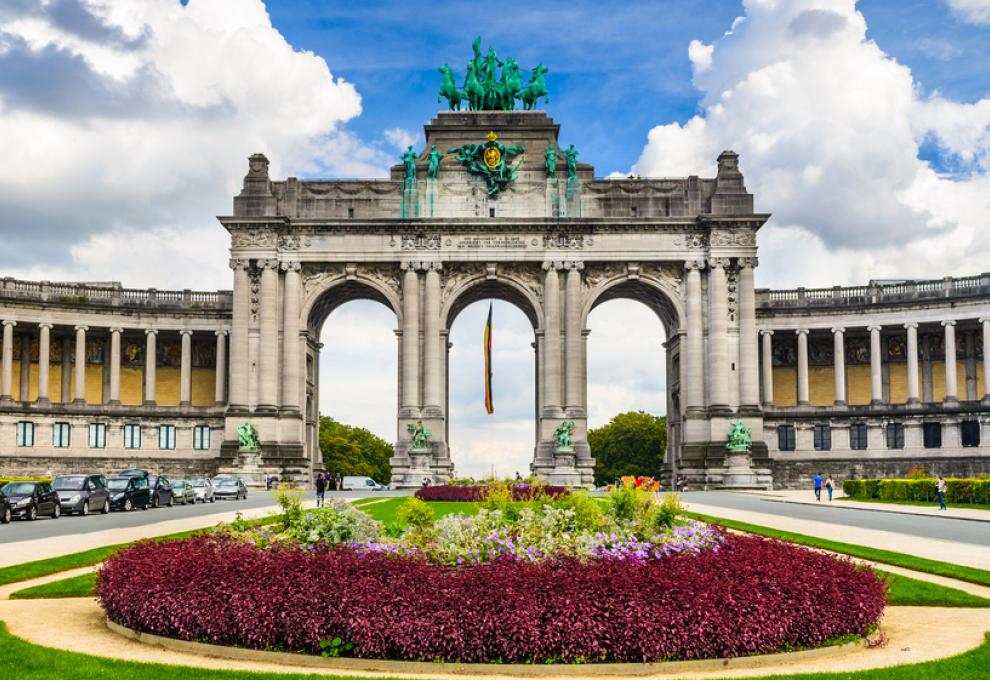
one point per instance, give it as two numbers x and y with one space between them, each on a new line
753 596
520 492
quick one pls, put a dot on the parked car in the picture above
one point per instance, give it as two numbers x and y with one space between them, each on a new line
126 493
360 484
31 499
230 488
204 489
6 514
134 472
183 492
216 479
82 493
161 491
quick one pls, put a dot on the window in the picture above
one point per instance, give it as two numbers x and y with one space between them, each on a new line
25 433
969 432
785 438
823 438
201 437
350 212
166 436
132 436
931 434
857 436
97 435
895 435
60 435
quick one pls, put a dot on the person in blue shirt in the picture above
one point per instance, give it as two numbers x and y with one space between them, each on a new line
818 487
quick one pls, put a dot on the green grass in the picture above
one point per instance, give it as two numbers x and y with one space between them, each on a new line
910 592
958 572
386 511
924 504
82 585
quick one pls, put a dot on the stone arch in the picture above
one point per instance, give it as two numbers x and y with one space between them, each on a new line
501 287
331 294
660 296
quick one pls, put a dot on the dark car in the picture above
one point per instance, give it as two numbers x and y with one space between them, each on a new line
229 488
82 493
5 512
31 499
127 493
161 491
134 472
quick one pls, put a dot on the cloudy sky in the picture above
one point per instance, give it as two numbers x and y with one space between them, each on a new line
125 125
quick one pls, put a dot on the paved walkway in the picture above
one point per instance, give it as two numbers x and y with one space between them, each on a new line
808 498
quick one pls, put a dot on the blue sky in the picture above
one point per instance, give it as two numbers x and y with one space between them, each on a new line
615 70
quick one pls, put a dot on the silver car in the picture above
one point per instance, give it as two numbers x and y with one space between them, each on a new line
204 489
183 492
82 494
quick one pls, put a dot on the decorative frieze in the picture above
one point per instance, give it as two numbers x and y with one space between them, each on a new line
253 238
739 238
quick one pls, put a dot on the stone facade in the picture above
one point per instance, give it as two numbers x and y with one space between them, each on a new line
553 246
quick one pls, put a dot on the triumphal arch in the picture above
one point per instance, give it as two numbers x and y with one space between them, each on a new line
495 206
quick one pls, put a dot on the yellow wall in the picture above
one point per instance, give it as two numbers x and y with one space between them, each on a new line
785 387
130 386
167 386
897 376
203 386
821 385
858 385
979 380
938 380
15 386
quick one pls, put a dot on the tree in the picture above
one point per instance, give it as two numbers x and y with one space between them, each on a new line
631 443
354 451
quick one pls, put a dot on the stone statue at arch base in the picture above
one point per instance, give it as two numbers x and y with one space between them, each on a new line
419 459
564 460
248 462
739 473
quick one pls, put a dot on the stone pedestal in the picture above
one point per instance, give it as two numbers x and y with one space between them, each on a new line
419 467
739 472
246 467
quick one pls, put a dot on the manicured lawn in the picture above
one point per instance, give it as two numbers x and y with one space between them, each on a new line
925 504
74 586
386 510
910 592
961 573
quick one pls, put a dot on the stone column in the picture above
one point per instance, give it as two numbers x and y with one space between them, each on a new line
876 367
718 331
238 396
268 337
432 355
574 341
985 322
150 364
551 341
951 390
694 357
292 363
81 364
839 364
44 353
802 376
185 368
749 385
410 340
912 363
767 367
220 379
7 387
115 365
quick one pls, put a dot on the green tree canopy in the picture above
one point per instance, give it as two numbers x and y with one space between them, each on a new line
631 443
354 451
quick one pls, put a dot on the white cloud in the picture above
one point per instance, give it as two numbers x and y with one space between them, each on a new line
972 11
400 138
135 122
828 128
700 55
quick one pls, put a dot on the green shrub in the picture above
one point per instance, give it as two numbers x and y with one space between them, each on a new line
661 516
872 488
336 522
588 513
920 489
853 487
415 513
290 498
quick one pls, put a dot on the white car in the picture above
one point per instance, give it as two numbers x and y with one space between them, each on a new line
204 489
361 484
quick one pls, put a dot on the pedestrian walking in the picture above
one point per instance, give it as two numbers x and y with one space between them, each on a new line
818 487
829 487
940 492
339 482
321 488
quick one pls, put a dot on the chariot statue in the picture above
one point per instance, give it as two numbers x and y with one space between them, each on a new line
487 88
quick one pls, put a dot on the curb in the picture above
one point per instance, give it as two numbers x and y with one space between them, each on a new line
611 670
889 512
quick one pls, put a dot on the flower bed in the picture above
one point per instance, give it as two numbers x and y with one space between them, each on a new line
520 492
751 596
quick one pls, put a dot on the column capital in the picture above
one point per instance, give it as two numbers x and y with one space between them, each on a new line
748 262
221 332
81 328
185 331
269 263
801 331
911 324
838 329
766 331
239 263
46 324
433 266
874 327
576 265
9 322
151 331
410 266
694 265
985 319
551 265
290 265
949 322
718 263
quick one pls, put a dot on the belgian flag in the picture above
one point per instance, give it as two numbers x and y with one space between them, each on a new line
489 403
